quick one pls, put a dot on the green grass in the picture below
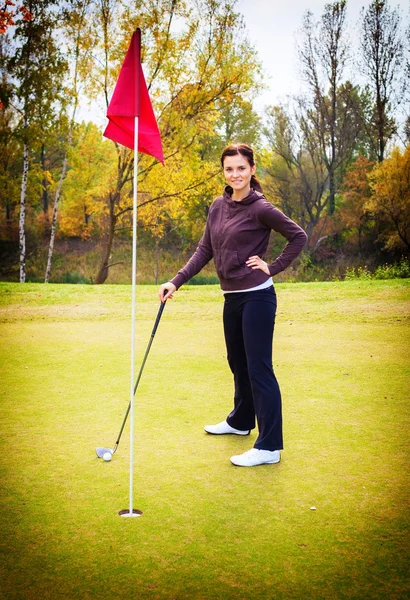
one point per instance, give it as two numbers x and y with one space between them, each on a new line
210 531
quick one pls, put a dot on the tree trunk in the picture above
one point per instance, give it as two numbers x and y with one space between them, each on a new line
333 120
309 230
22 231
104 265
54 219
380 110
332 190
156 262
44 183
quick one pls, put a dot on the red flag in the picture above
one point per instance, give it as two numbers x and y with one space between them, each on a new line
129 100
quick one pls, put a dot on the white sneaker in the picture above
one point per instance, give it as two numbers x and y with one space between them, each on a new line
254 457
223 428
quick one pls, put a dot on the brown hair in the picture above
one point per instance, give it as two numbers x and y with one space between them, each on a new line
247 152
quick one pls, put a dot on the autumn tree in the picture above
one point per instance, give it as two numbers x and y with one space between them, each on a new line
194 177
9 13
193 71
356 194
74 17
92 172
238 121
9 149
382 60
36 67
390 199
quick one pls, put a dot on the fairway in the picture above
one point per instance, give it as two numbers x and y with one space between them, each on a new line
331 521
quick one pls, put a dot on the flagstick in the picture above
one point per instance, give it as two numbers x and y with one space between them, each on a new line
133 310
132 512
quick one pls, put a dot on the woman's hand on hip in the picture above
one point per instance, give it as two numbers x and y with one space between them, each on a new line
166 290
257 263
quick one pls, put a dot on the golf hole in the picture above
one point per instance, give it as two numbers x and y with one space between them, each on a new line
126 513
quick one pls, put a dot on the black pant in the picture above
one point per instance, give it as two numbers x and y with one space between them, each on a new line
249 319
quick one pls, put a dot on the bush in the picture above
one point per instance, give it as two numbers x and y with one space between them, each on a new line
357 273
399 270
74 277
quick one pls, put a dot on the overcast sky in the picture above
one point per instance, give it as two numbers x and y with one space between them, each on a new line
272 26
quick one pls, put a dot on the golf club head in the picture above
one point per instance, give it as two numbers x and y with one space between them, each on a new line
101 451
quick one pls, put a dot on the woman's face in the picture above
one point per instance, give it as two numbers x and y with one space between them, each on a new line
238 172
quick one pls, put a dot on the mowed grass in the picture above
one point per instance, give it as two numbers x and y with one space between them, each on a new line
209 530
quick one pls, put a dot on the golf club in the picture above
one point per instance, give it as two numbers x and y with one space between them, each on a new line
101 451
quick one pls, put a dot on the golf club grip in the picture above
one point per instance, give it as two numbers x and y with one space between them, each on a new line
157 320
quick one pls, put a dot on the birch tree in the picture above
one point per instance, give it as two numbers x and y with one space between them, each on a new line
74 20
35 66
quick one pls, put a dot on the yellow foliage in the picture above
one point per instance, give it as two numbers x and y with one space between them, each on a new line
91 175
390 199
197 63
177 196
356 192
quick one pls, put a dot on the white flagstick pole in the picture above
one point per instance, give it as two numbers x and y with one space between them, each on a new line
133 313
137 41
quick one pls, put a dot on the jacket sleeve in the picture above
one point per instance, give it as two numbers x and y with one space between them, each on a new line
276 220
198 260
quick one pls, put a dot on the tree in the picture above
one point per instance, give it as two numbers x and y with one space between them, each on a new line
8 14
407 130
390 199
181 212
92 172
382 59
238 121
356 194
323 53
10 169
74 18
192 75
36 67
300 176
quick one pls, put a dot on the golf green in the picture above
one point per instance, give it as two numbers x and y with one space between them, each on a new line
330 521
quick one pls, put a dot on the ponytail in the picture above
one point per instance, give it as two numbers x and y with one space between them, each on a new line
255 184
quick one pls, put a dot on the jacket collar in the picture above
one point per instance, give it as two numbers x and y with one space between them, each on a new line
252 196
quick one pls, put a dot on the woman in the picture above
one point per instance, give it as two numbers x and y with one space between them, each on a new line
236 236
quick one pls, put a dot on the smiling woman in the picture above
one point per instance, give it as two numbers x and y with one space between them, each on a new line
236 237
238 173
